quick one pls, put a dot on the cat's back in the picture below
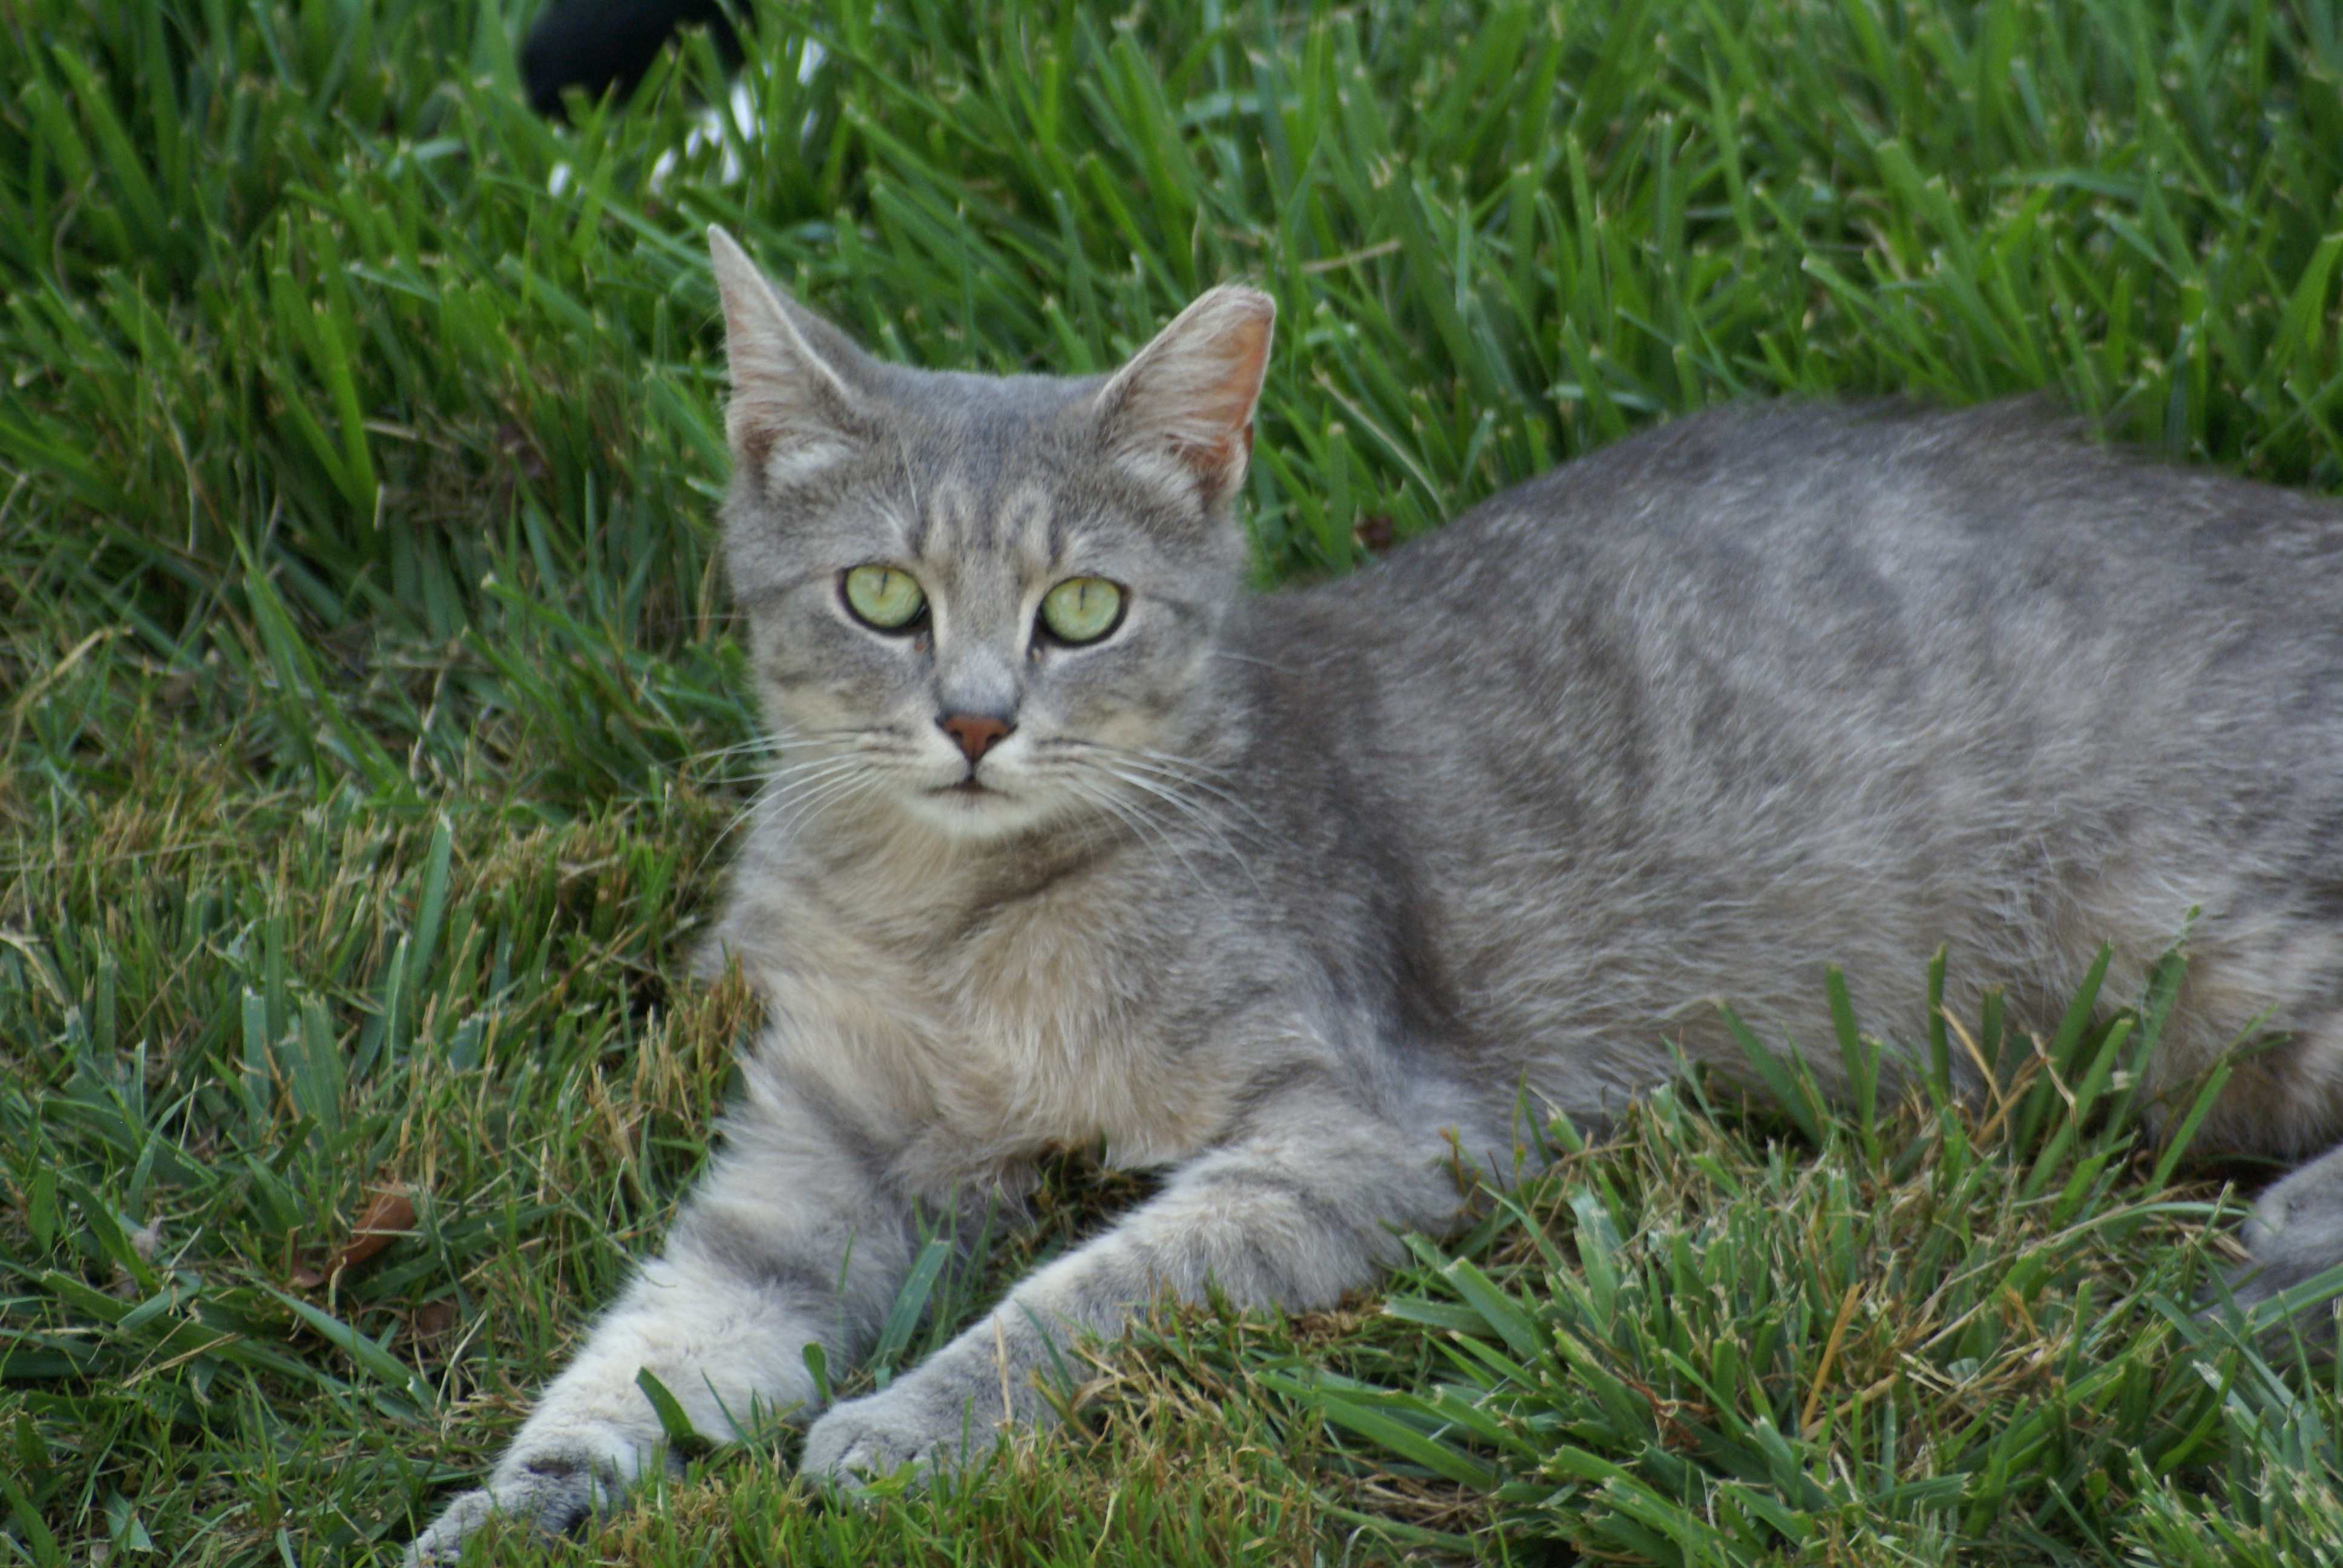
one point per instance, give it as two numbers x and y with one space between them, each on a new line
1806 555
1777 685
1939 516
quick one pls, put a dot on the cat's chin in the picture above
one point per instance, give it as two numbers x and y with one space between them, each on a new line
972 813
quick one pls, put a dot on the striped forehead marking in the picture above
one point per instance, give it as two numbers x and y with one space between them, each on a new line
1025 518
951 519
955 524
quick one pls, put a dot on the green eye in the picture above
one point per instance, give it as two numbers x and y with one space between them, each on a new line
884 596
1083 609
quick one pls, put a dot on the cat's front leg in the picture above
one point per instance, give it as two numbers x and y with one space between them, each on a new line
796 1237
1293 1212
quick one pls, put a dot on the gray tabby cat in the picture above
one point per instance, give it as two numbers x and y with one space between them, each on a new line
1077 844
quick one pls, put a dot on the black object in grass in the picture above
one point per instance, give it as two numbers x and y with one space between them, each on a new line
601 45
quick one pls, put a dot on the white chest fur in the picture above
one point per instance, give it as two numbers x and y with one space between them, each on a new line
988 1036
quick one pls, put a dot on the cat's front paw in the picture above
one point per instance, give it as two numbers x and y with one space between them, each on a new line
927 1427
552 1491
553 1505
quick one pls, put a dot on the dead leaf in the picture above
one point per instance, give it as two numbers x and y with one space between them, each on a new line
389 1213
433 1319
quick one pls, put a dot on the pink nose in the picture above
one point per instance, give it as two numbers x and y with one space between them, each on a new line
975 735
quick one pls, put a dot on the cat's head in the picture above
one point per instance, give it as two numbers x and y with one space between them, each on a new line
985 605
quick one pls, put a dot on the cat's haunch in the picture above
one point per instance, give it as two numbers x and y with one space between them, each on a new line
1074 842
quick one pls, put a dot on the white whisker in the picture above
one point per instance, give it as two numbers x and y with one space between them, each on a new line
1199 815
1126 812
1169 771
825 793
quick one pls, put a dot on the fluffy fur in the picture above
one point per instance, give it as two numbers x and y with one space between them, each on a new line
1290 895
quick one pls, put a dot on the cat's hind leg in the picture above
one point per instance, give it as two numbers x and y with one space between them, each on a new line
2286 1096
2295 1231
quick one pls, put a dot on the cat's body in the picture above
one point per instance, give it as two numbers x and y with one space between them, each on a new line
1296 896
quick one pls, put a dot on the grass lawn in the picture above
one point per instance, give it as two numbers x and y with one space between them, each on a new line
373 727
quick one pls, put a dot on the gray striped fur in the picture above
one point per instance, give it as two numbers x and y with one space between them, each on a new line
1290 896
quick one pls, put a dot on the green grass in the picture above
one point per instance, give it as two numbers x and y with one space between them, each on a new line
373 733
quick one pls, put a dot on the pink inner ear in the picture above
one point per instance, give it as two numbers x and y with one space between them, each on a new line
787 401
1194 389
1247 349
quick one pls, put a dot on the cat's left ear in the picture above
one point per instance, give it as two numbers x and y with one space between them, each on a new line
1184 404
798 400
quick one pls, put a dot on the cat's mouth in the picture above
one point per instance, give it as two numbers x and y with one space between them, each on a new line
968 786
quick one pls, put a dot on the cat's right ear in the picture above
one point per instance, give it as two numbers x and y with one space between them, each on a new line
794 408
1183 405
